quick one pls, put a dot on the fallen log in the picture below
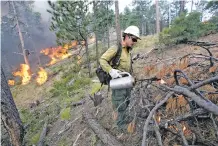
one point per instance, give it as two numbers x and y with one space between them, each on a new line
100 131
81 102
42 136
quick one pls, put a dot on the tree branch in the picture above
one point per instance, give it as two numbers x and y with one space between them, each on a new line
205 82
214 124
157 132
189 81
193 114
145 129
185 142
208 105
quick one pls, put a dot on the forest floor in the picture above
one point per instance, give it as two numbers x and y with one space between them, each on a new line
65 123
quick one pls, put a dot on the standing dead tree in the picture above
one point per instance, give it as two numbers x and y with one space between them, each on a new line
17 24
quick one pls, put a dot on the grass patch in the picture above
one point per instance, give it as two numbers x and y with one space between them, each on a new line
145 42
65 114
35 119
35 138
95 87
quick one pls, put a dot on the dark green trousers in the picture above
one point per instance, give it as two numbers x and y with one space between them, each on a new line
120 101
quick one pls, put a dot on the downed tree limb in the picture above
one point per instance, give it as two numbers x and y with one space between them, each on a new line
42 136
208 105
185 142
214 124
157 132
193 114
102 133
145 129
205 82
74 144
189 81
81 102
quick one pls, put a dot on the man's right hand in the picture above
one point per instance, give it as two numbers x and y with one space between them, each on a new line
114 73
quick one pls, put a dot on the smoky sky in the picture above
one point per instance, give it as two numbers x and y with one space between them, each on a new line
42 6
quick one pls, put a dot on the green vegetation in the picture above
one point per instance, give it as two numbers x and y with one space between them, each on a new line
65 114
186 27
70 88
35 138
95 88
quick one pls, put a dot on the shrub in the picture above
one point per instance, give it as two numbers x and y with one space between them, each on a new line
184 28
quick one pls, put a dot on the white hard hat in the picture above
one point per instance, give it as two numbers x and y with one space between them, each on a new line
133 30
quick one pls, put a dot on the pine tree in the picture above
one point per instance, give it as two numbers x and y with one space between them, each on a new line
70 21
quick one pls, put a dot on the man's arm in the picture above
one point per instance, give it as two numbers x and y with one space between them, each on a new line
106 58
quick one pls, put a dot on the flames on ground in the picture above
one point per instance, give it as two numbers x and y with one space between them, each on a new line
11 82
42 76
58 53
24 73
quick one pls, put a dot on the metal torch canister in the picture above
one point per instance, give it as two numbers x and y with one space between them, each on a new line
123 82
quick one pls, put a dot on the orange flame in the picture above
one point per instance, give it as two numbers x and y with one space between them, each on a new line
42 76
24 73
11 82
158 120
58 53
184 128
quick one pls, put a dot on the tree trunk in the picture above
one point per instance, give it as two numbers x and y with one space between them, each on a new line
182 6
147 29
142 20
191 5
117 23
87 56
9 114
25 55
169 15
96 36
108 28
157 18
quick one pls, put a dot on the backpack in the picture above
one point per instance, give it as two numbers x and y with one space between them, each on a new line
103 76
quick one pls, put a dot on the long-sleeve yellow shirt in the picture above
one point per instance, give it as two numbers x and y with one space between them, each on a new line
106 58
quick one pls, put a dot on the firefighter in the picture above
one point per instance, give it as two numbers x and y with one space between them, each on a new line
121 97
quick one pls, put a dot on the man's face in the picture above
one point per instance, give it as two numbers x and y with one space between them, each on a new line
130 40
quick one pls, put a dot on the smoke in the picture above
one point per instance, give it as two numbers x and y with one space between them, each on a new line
41 7
4 8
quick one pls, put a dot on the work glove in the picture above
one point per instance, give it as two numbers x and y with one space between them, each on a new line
114 73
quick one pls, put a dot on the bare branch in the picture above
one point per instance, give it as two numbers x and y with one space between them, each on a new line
14 26
74 144
145 129
18 53
157 132
208 105
193 114
211 55
189 81
214 124
185 142
205 82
